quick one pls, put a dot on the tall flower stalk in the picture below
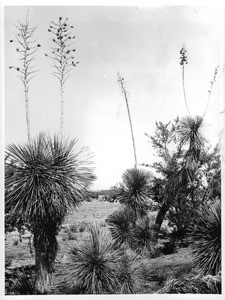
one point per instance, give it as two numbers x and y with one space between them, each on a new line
210 89
125 94
26 48
183 61
62 54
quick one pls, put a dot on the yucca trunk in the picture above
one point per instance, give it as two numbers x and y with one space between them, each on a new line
46 246
43 276
161 216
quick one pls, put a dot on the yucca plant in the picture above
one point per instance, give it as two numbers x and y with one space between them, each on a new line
144 236
95 264
134 192
121 228
206 234
50 179
190 134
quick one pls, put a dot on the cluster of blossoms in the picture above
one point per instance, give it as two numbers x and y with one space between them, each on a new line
183 57
27 48
62 52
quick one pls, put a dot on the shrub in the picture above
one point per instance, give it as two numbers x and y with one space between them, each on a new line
23 284
206 235
144 239
130 279
94 267
193 285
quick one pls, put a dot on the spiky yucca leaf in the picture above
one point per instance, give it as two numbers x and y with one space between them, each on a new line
120 227
95 264
134 192
206 234
193 285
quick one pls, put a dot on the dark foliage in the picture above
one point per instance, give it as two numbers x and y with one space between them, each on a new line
134 192
206 236
121 227
193 285
95 265
49 180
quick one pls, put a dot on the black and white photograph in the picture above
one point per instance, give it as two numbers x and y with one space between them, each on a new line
112 150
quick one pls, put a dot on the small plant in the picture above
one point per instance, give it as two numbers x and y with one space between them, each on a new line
120 227
94 267
144 237
130 279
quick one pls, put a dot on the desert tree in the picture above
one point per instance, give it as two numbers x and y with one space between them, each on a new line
125 94
26 47
62 55
181 147
49 180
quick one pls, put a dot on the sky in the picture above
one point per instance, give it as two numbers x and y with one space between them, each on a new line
143 44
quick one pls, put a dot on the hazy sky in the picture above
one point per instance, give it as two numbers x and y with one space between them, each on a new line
143 44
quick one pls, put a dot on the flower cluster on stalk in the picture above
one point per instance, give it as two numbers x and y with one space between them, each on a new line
183 57
26 47
62 53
